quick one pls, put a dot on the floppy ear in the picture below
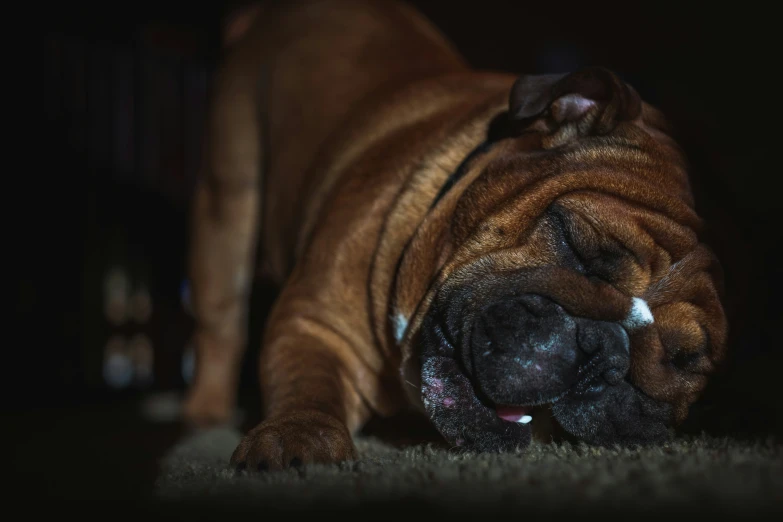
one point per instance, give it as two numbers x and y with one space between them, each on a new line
594 99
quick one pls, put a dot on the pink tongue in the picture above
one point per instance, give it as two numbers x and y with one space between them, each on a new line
512 413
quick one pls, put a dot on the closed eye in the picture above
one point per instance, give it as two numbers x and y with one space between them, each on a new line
608 263
604 264
567 253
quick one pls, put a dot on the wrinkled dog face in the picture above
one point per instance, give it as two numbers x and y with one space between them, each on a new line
574 277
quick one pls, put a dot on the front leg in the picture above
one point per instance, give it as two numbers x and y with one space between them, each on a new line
311 403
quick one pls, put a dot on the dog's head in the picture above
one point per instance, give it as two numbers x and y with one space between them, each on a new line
569 274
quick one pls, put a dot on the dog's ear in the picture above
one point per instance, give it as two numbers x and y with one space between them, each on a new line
594 98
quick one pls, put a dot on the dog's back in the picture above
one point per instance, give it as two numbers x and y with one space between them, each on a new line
317 61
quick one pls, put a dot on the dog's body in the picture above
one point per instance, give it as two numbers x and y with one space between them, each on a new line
334 127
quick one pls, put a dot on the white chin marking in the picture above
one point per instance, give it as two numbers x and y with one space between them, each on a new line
400 325
525 419
639 316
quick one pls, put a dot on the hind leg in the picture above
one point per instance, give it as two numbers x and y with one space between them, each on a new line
220 266
226 207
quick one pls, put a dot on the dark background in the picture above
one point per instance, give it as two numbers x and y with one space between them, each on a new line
119 98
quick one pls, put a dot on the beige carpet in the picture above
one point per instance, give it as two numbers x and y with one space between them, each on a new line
699 476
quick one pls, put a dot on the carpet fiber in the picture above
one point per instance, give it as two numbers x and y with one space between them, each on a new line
702 475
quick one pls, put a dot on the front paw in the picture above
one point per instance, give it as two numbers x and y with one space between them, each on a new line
293 440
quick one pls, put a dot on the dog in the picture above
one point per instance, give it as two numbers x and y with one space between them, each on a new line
480 246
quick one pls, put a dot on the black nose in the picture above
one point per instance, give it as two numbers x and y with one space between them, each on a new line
528 349
524 350
519 325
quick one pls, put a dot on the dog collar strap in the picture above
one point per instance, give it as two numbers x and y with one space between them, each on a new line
500 127
461 170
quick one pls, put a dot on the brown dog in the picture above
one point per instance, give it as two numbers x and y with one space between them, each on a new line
472 243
